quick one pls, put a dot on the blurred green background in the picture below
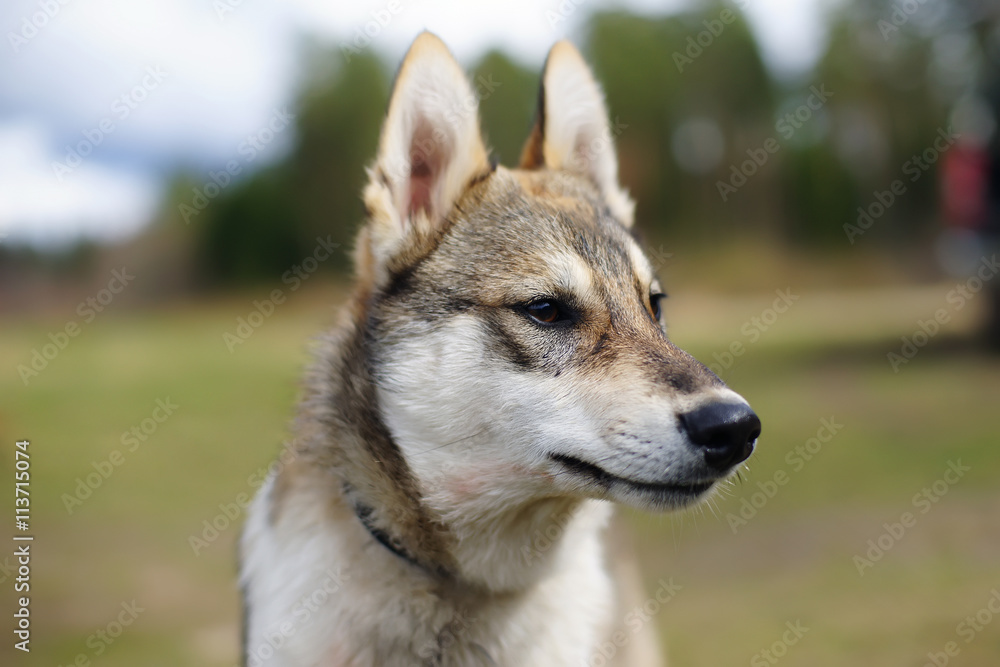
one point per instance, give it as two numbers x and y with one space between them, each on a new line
731 222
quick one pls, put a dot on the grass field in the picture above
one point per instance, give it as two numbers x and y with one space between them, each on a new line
791 561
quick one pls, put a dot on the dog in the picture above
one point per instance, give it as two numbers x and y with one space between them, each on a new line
500 372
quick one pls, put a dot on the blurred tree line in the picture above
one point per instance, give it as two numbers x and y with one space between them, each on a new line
711 145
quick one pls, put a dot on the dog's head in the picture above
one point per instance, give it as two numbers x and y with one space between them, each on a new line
518 347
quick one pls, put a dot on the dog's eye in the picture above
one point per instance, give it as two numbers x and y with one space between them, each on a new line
654 304
546 311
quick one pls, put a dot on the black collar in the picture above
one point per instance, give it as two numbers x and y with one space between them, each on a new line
364 514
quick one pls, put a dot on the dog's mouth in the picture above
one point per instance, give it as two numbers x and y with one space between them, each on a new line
668 495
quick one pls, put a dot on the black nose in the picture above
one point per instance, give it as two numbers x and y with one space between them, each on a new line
727 431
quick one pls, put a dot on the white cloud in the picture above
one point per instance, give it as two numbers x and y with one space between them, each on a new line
221 76
93 200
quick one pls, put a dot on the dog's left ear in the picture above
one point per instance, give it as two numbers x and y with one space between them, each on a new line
429 152
571 129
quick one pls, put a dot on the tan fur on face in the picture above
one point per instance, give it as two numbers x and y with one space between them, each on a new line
527 234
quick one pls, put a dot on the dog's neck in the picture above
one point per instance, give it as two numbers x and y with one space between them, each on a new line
394 544
497 550
508 547
478 535
491 547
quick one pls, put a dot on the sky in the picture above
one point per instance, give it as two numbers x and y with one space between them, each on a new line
102 100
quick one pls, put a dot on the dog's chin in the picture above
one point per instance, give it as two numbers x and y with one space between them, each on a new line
593 481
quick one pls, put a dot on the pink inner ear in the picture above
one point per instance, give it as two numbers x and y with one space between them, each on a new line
421 181
428 153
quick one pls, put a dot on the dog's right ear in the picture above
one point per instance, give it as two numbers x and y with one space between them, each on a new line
429 151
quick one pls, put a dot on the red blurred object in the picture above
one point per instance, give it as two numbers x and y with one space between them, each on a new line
964 183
